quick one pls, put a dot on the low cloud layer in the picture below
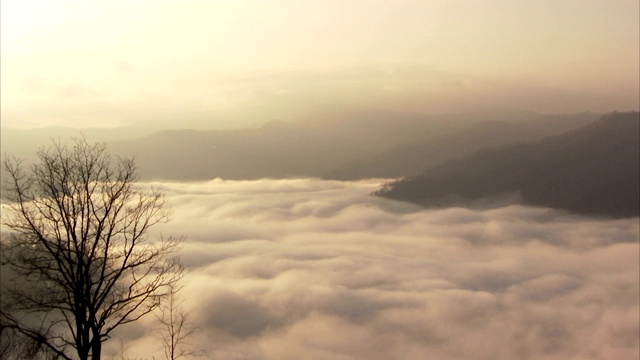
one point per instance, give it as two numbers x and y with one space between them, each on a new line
310 269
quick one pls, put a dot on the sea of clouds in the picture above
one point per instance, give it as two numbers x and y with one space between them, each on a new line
312 269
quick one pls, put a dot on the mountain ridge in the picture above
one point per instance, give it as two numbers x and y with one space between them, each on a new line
591 170
403 160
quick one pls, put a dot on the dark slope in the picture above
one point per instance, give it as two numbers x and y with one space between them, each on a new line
412 159
592 170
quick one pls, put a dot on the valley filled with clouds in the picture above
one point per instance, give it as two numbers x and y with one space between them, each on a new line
249 115
315 269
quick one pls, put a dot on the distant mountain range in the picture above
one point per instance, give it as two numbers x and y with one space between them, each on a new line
278 149
329 147
594 169
574 161
411 159
334 145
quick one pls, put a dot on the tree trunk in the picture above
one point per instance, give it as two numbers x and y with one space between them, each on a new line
96 349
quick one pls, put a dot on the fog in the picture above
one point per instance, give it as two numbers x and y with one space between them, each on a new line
301 268
311 269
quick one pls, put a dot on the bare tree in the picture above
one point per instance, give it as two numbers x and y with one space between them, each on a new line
174 327
79 247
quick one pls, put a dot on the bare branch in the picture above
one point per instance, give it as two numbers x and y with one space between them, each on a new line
174 327
80 249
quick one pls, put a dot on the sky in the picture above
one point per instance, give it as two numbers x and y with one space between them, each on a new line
232 63
312 269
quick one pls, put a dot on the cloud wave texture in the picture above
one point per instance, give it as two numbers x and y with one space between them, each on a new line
311 269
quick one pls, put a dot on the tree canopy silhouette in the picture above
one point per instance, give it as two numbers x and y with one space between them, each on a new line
79 249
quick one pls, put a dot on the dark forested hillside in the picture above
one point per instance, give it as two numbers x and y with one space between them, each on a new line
592 170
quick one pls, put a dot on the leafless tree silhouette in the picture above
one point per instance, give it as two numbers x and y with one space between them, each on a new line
175 328
79 248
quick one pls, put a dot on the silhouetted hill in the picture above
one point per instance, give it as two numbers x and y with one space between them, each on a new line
24 143
592 170
311 146
278 149
411 159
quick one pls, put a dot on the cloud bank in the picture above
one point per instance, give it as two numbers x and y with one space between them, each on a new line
310 269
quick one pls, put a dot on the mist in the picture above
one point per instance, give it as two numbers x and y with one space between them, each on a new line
226 65
312 269
250 114
250 100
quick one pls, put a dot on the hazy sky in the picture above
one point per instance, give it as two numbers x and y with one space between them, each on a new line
107 63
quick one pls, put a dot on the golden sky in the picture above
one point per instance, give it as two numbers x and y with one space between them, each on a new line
108 63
